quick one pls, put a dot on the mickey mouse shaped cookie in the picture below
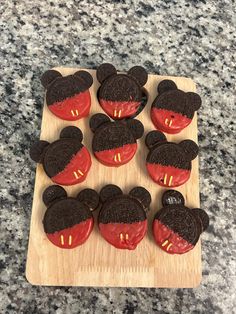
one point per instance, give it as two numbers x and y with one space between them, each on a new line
114 143
173 109
66 161
121 95
68 97
177 228
68 221
123 218
168 163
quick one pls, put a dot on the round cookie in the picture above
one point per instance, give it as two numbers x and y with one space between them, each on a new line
177 228
122 218
68 97
66 161
173 109
68 221
121 95
168 163
114 143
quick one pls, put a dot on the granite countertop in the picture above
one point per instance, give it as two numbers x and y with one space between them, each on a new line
184 38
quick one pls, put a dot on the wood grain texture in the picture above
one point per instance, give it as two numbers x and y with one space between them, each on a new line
97 263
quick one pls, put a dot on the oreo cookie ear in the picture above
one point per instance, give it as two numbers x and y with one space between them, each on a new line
203 217
172 197
194 100
89 197
153 138
136 127
97 120
37 150
49 76
109 191
52 193
190 149
142 195
72 132
86 77
140 74
165 86
104 71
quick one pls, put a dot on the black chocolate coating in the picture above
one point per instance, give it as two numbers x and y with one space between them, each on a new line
112 135
169 154
59 154
64 214
122 209
182 221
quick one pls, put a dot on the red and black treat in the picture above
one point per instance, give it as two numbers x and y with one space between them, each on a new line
121 95
68 221
66 161
122 219
177 228
173 109
68 97
114 143
169 164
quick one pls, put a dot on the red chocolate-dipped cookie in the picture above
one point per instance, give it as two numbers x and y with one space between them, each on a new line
168 163
121 95
114 143
122 218
68 97
66 161
173 109
68 221
177 228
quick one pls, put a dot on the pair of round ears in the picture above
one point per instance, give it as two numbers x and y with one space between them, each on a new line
173 197
99 119
88 197
139 193
51 75
106 70
38 148
189 147
194 100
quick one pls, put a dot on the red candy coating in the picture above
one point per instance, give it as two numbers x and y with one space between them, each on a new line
162 175
124 235
76 171
119 109
110 157
72 108
168 240
69 238
168 121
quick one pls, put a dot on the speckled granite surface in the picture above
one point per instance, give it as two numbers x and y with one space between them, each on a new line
189 38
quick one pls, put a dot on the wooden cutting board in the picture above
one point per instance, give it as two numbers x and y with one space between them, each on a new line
96 263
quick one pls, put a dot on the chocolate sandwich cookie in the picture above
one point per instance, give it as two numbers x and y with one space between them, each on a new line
173 109
68 97
177 228
114 143
68 221
168 163
122 218
121 95
66 161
